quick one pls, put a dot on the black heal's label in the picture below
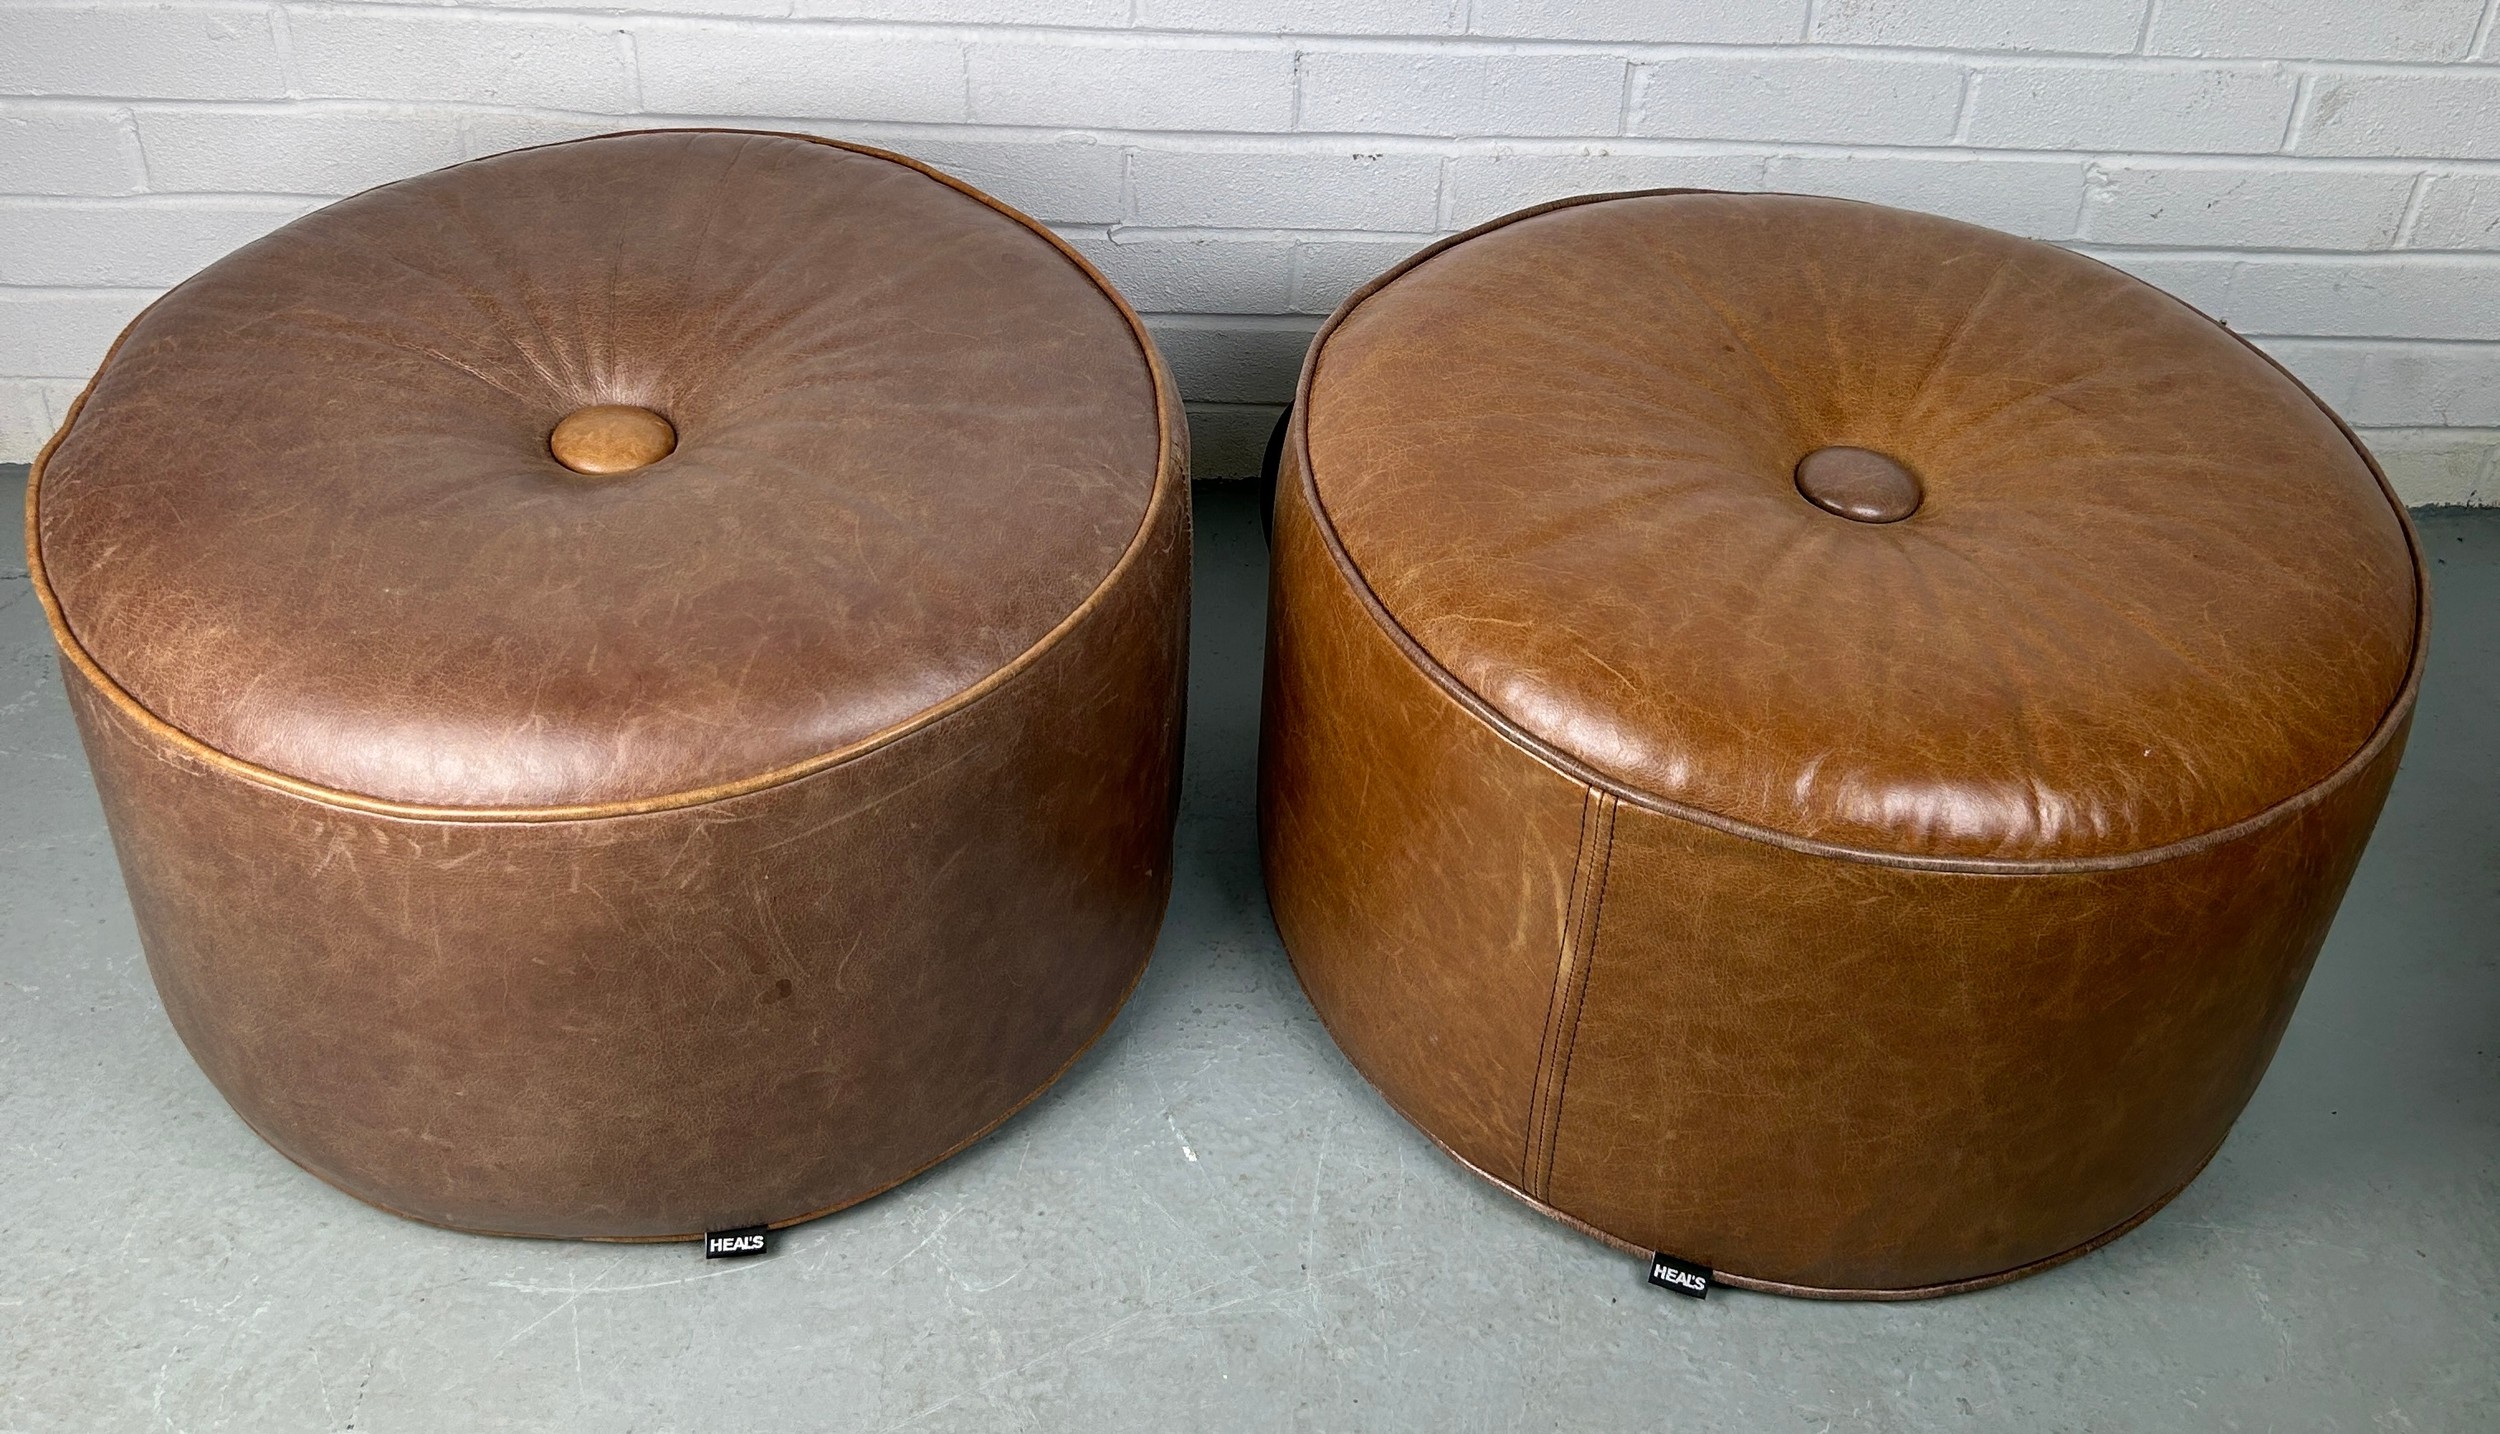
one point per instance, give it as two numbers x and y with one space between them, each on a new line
1682 1276
736 1244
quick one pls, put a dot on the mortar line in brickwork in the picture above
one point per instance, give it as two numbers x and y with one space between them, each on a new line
282 45
2413 211
2297 258
1964 110
1268 141
1135 38
628 57
1189 234
1199 319
1122 231
1452 43
2304 88
2371 341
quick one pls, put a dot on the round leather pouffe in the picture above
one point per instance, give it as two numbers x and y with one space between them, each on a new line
636 683
1820 740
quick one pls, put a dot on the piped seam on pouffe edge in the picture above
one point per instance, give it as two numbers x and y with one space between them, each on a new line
2391 720
1171 478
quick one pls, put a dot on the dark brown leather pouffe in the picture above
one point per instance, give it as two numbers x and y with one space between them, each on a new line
1816 739
711 828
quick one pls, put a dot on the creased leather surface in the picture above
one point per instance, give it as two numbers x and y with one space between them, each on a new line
1853 1076
745 1011
1419 872
2151 590
741 1008
1872 963
308 514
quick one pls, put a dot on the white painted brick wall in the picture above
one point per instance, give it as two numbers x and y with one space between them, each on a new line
2346 29
2105 27
814 71
2322 174
1403 92
2106 105
1824 99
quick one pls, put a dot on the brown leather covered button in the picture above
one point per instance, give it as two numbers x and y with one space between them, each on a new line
632 858
1858 484
1815 738
611 438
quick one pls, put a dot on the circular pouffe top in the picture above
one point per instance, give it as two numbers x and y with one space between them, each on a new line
608 475
1857 527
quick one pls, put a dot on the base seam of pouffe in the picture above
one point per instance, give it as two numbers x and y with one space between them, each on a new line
779 1223
1747 1282
2390 723
1169 455
1826 1292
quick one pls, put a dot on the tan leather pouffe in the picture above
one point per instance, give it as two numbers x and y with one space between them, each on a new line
1820 740
636 684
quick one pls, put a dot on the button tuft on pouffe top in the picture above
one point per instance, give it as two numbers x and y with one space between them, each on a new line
610 438
1859 484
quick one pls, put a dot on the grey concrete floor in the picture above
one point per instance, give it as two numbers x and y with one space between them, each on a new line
1212 1223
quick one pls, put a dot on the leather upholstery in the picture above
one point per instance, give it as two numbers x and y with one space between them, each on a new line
1612 513
1860 904
625 856
912 438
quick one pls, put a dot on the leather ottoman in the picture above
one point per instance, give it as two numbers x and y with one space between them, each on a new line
1819 740
636 684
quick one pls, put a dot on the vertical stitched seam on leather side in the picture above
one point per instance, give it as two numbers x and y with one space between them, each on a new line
1531 1162
1562 1017
1602 875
